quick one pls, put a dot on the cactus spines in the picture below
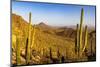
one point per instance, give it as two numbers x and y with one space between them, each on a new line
86 38
28 50
18 51
80 31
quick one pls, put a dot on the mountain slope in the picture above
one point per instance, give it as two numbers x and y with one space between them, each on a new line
46 37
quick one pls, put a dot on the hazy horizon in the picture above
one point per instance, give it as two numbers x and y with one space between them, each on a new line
54 14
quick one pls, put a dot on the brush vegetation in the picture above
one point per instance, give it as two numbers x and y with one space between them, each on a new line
44 44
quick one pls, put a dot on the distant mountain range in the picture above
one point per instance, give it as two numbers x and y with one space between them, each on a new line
65 31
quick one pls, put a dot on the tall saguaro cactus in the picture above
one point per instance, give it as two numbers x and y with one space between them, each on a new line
28 48
79 47
79 37
81 30
18 47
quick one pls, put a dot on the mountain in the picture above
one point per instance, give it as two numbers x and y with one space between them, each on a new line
66 32
60 31
42 24
19 25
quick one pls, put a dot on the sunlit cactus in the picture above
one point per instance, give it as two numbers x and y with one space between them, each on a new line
79 37
28 46
81 29
18 47
77 40
79 46
86 39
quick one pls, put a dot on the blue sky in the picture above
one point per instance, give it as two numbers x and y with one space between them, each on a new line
54 14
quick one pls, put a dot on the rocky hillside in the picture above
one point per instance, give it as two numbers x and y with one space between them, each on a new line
46 38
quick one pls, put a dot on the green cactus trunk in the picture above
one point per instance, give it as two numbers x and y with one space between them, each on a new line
18 51
86 38
28 48
81 30
77 41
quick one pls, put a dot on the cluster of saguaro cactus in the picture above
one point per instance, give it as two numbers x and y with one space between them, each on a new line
28 45
81 29
79 47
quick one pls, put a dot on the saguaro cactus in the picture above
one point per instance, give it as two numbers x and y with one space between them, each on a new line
79 36
86 38
18 40
77 41
18 51
28 49
81 29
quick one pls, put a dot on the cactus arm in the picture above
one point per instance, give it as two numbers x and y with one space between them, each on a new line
77 40
86 39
